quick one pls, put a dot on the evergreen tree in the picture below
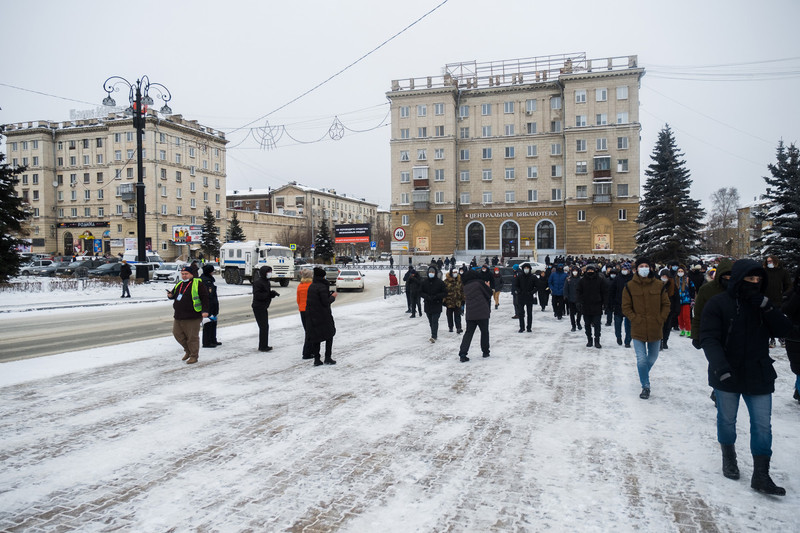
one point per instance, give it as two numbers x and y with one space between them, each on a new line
323 245
12 215
235 231
210 242
669 220
782 236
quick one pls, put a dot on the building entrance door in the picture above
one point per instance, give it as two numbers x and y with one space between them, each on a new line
510 238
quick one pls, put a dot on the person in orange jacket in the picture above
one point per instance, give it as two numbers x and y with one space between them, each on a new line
306 276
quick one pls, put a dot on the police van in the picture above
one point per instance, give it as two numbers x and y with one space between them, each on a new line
239 261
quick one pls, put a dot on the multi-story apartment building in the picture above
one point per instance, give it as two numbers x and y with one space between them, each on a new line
80 178
514 158
750 227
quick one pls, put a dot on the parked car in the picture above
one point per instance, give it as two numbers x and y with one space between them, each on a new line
49 270
343 259
79 268
168 272
107 270
331 273
350 279
507 274
32 268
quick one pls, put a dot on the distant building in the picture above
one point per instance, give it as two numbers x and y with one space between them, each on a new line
523 157
751 227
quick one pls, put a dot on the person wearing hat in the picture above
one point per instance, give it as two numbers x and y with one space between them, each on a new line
454 300
262 297
556 284
735 330
210 327
432 290
319 318
670 286
478 296
592 296
190 304
645 303
615 303
125 275
497 286
571 297
306 276
393 283
525 287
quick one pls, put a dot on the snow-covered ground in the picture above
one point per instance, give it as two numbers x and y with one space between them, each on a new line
544 435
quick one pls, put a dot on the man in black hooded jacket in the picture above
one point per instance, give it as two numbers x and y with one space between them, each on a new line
735 330
262 297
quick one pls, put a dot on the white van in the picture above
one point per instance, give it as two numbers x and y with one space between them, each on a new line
131 255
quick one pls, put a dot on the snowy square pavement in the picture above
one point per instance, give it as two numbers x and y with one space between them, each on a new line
544 435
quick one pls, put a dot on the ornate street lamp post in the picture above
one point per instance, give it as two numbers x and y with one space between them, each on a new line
139 99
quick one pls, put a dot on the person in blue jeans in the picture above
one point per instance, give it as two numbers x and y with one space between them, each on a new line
645 303
735 332
615 304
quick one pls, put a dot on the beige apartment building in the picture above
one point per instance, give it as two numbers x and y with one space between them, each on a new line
80 178
520 157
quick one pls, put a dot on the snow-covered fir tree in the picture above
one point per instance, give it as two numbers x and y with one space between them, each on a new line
210 242
782 238
12 215
323 245
235 231
669 219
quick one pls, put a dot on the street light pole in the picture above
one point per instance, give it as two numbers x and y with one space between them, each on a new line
139 99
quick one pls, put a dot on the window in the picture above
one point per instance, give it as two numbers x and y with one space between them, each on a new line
60 161
193 203
405 111
509 152
464 198
129 136
486 174
581 167
36 160
178 194
440 220
101 211
602 163
73 178
405 177
405 133
24 179
475 236
463 111
117 137
420 173
555 126
555 149
404 155
463 175
86 178
438 174
510 197
84 142
601 119
438 197
438 153
581 215
487 197
191 151
87 211
622 92
555 102
601 95
509 130
422 154
602 144
72 144
438 109
14 146
422 132
192 187
99 177
162 137
533 150
36 194
119 212
555 195
533 195
73 161
404 220
622 190
582 191
555 171
438 131
163 173
486 131
510 173
404 198
35 179
530 106
580 121
486 109
178 159
163 209
622 143
117 155
99 159
622 214
486 153
533 172
530 127
508 107
622 117
179 210
177 175
580 96
463 154
164 191
130 154
422 110
622 165
463 133
85 160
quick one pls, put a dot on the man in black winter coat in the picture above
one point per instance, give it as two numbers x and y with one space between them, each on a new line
735 330
319 318
433 291
615 303
262 297
210 327
525 286
125 272
592 295
478 296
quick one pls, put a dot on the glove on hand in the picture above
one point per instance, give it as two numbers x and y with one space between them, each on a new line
696 343
759 300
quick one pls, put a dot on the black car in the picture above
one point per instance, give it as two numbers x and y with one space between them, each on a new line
49 270
106 270
343 259
79 268
508 278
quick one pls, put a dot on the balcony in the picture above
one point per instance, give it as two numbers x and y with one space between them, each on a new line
601 199
127 192
421 183
602 173
421 199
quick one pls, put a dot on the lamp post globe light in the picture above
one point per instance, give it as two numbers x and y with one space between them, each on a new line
139 99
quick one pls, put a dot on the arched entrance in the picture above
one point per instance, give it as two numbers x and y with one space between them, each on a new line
509 239
475 236
545 235
68 246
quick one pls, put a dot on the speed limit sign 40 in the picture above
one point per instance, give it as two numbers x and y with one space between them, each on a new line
399 234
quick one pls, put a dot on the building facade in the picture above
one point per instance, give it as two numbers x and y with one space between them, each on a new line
750 228
515 158
80 177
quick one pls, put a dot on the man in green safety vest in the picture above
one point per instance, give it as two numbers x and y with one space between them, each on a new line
190 302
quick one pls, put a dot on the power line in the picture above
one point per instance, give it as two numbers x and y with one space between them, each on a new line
47 94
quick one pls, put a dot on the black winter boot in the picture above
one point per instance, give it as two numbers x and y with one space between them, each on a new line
329 361
761 480
597 342
317 360
589 342
730 469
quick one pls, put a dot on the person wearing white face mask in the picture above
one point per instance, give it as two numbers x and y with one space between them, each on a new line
433 291
645 303
686 292
454 300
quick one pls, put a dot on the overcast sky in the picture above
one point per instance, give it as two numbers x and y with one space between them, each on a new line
724 74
